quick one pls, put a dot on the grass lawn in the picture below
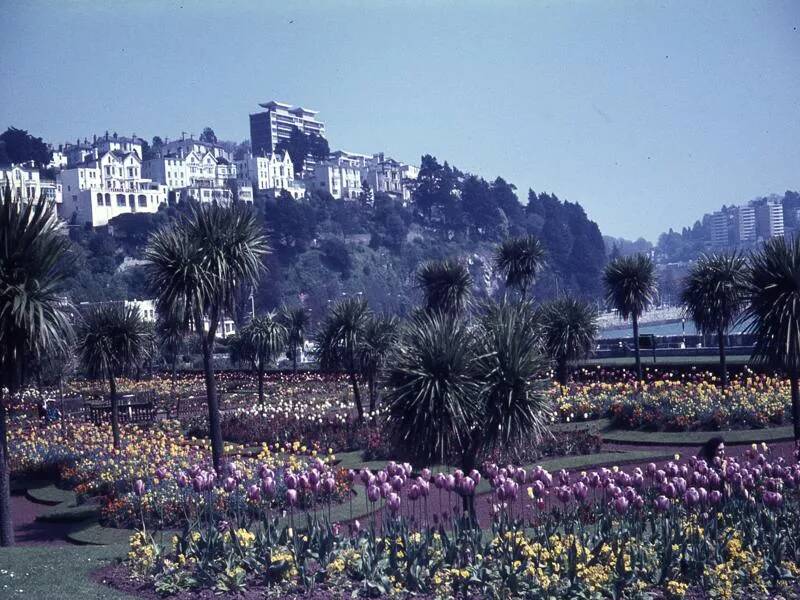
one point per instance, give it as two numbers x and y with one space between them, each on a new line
692 438
56 572
647 361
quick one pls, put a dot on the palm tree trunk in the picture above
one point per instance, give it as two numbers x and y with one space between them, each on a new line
294 360
6 526
356 392
112 392
723 367
261 382
207 340
214 426
636 347
563 371
793 378
371 387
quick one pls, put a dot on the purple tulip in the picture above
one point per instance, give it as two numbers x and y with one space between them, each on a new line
290 479
373 493
621 505
393 502
291 497
268 487
229 484
662 503
328 485
253 493
138 487
691 497
715 497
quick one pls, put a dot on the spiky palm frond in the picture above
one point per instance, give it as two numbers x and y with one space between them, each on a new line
715 291
511 371
378 341
630 284
433 397
34 317
295 319
519 260
196 265
773 314
446 284
266 338
340 334
170 333
113 338
568 328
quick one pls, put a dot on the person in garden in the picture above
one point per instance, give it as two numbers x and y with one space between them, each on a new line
714 447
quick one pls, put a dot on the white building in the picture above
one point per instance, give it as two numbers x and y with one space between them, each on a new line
184 146
745 224
27 184
202 176
102 188
388 176
340 176
276 122
80 152
271 174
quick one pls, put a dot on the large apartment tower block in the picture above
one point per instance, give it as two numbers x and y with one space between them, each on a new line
275 123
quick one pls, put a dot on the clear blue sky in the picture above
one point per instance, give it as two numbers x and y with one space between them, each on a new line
647 113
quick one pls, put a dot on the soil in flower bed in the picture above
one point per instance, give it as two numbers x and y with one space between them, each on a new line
118 577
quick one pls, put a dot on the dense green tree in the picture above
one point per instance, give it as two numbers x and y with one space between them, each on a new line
773 314
339 338
113 339
568 328
195 267
714 294
300 146
33 315
208 136
19 146
630 290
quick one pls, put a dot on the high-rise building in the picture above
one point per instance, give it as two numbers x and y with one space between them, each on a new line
274 124
719 228
745 224
769 219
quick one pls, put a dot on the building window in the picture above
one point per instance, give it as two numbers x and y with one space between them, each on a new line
99 199
121 200
142 200
108 199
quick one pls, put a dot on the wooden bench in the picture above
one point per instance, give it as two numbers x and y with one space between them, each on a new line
133 408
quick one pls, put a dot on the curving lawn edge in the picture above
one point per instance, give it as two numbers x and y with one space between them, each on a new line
696 438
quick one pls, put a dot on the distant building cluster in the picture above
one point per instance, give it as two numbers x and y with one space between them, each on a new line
93 181
741 226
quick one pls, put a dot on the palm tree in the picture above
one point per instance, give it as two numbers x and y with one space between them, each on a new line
457 389
630 290
519 260
432 391
339 339
265 337
714 294
195 266
446 284
379 340
568 327
170 333
112 340
295 320
774 312
34 317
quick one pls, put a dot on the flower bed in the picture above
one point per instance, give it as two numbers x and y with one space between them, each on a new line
720 529
160 458
688 403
